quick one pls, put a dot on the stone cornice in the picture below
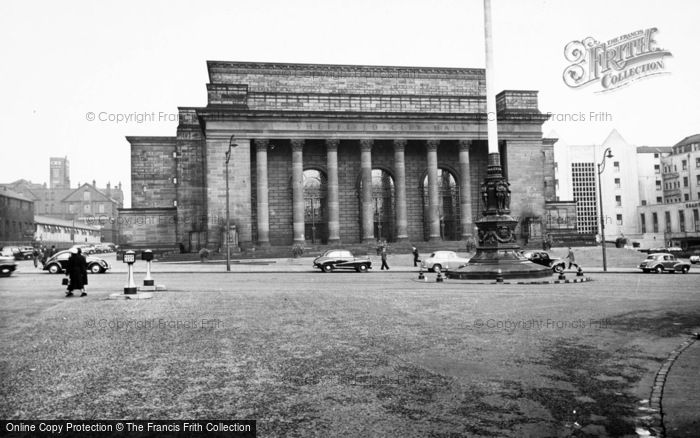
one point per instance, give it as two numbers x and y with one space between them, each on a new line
224 113
341 70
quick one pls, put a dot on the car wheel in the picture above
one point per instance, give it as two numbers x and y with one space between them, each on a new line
54 269
437 267
646 271
685 270
558 268
5 272
95 269
362 268
659 269
328 268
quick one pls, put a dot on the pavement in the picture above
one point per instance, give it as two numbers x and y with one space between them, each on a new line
397 263
681 395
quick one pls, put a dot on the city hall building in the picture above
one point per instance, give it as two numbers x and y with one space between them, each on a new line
330 154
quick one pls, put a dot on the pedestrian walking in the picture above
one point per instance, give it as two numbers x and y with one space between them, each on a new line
35 257
571 258
416 256
52 251
383 254
76 272
43 255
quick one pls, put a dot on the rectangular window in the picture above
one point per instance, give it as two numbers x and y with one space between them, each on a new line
617 183
667 217
685 181
696 219
101 208
697 162
658 184
656 168
616 165
684 163
656 155
697 179
644 202
686 197
619 219
681 220
618 201
643 222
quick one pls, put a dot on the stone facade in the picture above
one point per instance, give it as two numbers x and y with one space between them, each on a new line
339 154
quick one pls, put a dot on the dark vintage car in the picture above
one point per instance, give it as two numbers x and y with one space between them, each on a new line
661 261
341 259
7 266
59 263
543 258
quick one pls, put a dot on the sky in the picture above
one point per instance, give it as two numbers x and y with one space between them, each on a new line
60 61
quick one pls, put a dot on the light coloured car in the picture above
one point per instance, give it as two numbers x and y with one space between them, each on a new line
695 259
663 262
443 260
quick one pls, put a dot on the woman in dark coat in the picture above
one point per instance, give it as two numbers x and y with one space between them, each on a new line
77 272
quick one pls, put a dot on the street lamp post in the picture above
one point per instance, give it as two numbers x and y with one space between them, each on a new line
601 168
231 144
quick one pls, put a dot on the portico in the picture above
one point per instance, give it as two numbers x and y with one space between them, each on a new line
346 154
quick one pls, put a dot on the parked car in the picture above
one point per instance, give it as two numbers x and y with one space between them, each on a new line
660 262
695 259
7 266
443 260
12 251
59 263
27 252
543 258
342 259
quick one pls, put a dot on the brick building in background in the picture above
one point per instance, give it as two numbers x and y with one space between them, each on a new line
335 153
16 218
85 203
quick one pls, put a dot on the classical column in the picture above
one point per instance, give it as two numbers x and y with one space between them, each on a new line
400 172
298 190
465 203
333 201
366 195
433 200
262 190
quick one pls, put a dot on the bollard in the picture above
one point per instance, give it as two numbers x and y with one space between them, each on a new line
579 273
420 273
499 276
439 278
147 255
129 259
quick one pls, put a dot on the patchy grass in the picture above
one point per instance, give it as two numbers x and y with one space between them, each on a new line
341 355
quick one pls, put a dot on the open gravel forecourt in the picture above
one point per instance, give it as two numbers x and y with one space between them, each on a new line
339 354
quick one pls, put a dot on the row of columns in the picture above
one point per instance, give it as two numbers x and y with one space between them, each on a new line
366 201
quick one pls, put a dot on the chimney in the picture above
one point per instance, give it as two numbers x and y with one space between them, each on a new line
93 183
109 189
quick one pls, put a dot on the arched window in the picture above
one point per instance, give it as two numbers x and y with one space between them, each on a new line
448 205
315 216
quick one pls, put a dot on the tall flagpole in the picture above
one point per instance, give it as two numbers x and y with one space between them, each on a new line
491 122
